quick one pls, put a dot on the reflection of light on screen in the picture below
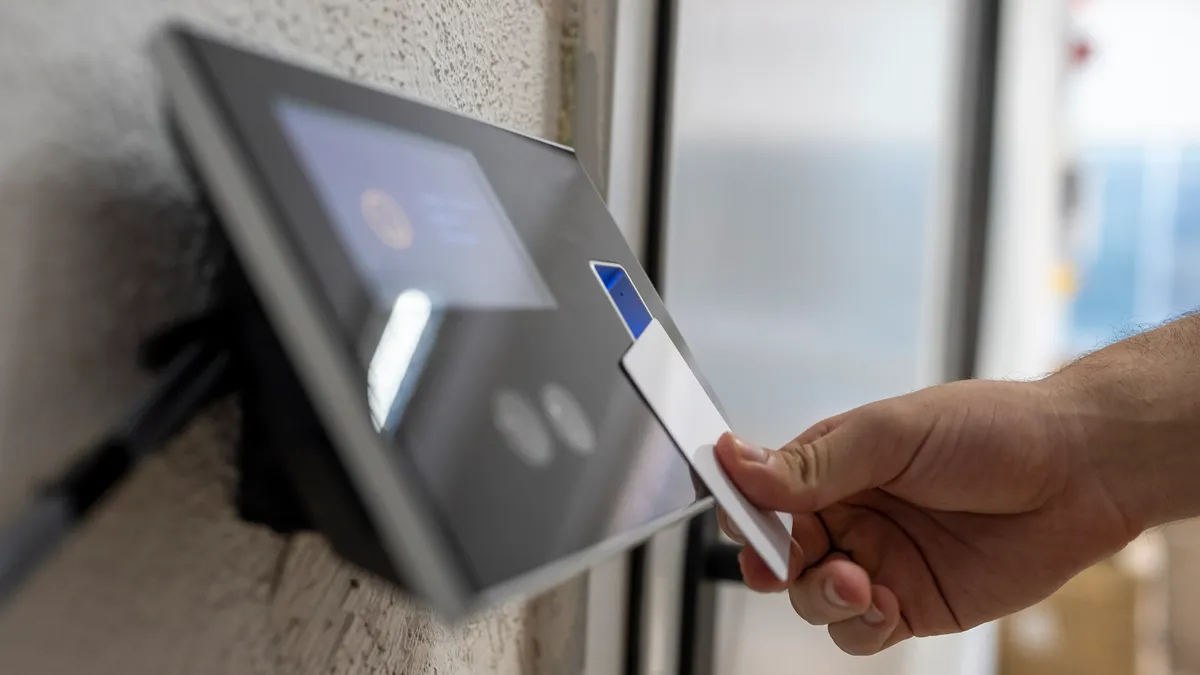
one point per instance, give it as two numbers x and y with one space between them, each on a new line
397 345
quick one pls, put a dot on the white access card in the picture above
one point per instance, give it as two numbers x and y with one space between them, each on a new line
671 389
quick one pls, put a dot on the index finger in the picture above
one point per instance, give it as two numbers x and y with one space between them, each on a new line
810 545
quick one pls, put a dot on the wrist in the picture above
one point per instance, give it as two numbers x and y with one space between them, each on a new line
1134 416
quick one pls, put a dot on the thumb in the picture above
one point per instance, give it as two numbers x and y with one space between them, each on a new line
808 474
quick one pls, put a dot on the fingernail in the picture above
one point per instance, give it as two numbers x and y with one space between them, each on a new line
873 616
833 596
735 533
750 453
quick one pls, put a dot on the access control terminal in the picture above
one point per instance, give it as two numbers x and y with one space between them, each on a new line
448 303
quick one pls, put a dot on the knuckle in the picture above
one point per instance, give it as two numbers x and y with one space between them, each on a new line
803 464
892 426
884 419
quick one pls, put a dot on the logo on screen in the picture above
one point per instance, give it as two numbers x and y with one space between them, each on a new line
386 218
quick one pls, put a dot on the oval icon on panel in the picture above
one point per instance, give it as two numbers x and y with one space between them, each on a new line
522 428
568 419
387 219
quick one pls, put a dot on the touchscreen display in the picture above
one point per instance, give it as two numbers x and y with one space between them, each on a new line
437 245
414 214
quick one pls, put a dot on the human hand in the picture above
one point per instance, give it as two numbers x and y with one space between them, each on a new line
931 513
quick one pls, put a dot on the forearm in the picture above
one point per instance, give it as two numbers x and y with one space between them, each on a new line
1135 406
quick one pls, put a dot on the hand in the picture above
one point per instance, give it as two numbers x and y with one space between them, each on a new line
934 512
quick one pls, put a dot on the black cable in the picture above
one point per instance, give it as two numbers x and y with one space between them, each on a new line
192 380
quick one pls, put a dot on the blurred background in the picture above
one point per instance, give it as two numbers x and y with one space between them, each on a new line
840 201
867 197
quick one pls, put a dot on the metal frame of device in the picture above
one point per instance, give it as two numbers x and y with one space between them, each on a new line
406 528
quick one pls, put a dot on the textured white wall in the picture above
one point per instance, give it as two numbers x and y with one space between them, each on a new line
97 231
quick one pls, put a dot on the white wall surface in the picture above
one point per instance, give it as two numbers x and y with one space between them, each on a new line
97 235
1138 87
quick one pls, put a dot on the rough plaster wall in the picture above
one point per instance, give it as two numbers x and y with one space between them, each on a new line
97 231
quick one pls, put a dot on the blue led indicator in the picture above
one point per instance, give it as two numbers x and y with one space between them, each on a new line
624 297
